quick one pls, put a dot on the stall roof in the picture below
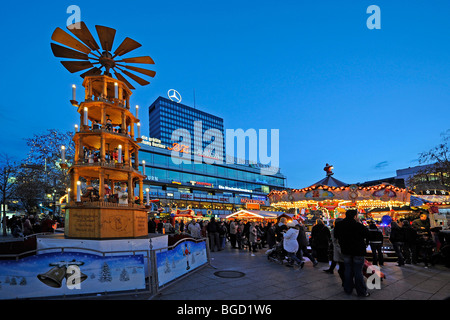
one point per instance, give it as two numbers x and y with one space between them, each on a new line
259 214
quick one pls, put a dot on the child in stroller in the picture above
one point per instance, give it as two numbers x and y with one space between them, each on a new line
285 250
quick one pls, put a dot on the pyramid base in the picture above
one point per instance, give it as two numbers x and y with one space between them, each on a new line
105 223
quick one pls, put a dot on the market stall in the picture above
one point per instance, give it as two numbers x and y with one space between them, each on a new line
254 215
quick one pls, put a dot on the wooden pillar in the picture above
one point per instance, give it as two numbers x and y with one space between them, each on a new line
102 148
75 179
80 149
120 93
103 117
72 190
81 121
126 154
105 88
90 89
136 159
101 185
124 123
130 189
132 130
86 92
77 154
141 191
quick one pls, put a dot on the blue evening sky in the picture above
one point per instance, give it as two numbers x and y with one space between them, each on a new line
366 101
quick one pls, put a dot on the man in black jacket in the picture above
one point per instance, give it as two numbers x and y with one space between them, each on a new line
213 234
352 236
410 243
375 240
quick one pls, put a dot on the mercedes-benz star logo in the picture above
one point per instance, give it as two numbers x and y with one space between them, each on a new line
174 95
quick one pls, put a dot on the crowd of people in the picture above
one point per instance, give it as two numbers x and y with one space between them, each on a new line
241 235
344 245
30 224
413 243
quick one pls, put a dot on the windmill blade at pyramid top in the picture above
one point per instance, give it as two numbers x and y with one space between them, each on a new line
122 78
60 36
63 52
75 66
146 60
149 73
81 46
81 31
106 36
139 80
126 46
91 72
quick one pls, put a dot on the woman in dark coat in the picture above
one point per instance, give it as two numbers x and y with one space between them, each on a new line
397 238
320 237
303 245
270 235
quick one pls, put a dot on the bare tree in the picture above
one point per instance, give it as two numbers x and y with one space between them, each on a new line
30 187
438 160
8 171
44 158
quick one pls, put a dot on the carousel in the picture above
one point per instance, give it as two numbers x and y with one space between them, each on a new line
330 198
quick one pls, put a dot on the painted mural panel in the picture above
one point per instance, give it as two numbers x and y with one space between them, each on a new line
55 274
185 257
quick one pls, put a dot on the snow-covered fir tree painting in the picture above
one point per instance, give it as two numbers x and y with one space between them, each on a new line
167 266
124 276
105 273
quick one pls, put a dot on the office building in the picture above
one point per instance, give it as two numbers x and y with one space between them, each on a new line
217 188
166 116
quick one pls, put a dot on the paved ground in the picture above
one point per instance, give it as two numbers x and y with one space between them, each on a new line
265 280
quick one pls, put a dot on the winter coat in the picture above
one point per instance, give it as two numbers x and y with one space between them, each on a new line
421 225
320 236
222 230
252 234
212 227
194 230
151 226
375 236
352 237
233 227
397 235
290 243
302 239
27 228
337 254
280 228
271 236
410 234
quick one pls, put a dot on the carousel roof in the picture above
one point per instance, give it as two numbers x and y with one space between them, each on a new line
329 181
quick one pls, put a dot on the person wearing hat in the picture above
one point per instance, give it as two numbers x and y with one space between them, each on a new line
290 243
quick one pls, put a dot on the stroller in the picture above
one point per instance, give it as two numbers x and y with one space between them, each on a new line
279 255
